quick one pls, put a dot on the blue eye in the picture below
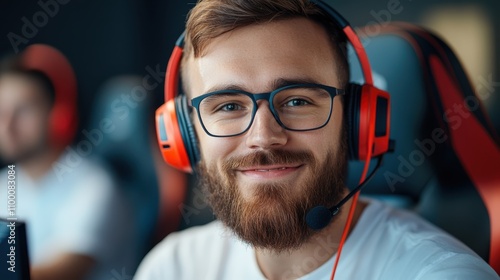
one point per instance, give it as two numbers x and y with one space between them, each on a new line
230 107
296 102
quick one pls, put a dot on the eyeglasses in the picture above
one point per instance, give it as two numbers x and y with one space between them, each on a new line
297 107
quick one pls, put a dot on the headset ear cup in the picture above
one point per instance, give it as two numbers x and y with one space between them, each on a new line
56 67
170 138
368 117
352 101
188 132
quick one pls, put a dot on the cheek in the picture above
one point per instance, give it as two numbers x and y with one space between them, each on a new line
335 126
32 125
326 139
212 149
317 142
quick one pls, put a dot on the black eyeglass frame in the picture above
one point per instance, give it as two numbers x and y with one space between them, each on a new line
269 96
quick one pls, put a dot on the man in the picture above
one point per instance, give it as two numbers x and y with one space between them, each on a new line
77 225
264 169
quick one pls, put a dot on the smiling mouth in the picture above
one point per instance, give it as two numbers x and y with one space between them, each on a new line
270 169
269 172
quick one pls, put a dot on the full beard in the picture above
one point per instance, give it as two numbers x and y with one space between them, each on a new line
274 217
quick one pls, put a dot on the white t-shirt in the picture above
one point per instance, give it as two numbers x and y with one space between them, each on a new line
385 244
78 210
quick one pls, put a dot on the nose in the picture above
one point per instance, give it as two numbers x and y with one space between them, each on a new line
265 132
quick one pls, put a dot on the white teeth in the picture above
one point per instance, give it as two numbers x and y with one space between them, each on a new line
267 170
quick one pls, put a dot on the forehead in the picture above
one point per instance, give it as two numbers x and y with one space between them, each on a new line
18 88
255 56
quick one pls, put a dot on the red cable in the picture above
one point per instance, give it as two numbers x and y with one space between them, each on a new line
371 135
350 217
345 233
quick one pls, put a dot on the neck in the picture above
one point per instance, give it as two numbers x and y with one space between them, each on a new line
38 165
310 256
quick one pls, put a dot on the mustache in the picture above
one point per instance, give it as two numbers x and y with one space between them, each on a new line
272 157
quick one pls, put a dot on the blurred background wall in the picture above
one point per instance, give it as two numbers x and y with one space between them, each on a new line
103 39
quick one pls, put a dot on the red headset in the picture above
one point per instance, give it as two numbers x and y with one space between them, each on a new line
367 110
53 64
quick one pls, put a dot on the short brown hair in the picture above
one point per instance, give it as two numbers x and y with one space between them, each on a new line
212 18
11 64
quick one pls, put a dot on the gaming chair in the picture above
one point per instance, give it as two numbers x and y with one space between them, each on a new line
446 161
122 141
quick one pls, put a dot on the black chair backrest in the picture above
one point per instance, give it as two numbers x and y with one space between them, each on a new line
446 161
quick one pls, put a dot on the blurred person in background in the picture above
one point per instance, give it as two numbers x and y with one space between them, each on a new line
77 219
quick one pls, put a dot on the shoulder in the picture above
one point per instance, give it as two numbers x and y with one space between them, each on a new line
410 231
174 257
392 221
86 180
81 168
412 247
97 217
90 192
92 202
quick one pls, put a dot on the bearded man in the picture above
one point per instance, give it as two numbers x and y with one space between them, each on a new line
266 79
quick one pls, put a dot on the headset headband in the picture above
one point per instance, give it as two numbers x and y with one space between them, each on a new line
172 77
53 64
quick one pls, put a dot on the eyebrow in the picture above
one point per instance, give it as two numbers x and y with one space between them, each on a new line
277 83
